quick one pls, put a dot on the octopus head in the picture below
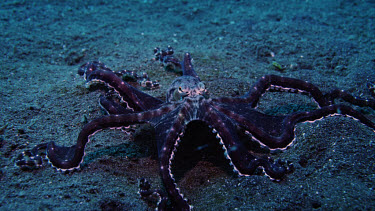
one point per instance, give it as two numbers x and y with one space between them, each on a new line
185 87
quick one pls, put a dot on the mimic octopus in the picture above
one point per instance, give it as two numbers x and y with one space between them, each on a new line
187 100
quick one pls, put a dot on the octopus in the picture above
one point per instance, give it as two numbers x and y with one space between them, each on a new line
187 100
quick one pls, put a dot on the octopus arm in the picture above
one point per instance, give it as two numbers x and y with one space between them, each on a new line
285 84
243 161
112 107
271 131
277 132
187 67
169 128
136 100
66 158
336 93
279 83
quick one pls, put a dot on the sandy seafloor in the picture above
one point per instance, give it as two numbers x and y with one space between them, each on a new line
233 43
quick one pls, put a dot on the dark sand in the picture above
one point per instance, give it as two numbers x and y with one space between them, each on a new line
232 43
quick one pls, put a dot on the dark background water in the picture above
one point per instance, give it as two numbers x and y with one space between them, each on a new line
233 43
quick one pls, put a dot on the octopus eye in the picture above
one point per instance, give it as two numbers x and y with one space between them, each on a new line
177 95
201 86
